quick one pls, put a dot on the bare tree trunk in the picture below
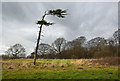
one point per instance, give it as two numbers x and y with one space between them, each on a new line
38 40
37 46
119 46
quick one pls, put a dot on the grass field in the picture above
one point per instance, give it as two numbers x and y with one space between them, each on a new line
58 69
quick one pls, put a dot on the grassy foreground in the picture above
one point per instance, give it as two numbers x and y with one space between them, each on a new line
58 69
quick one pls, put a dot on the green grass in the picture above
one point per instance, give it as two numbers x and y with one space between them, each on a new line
56 69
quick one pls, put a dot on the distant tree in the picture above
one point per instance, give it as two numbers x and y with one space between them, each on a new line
95 45
16 51
5 57
74 49
69 45
116 36
59 13
31 55
79 41
111 41
96 42
45 49
76 42
59 45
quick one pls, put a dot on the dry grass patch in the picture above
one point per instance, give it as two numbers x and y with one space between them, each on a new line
81 62
78 62
62 64
10 65
101 61
27 64
42 65
53 65
107 61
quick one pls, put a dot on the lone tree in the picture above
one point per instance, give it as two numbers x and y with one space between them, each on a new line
16 51
59 13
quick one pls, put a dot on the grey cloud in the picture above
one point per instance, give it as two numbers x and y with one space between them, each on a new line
24 13
84 19
94 15
1 28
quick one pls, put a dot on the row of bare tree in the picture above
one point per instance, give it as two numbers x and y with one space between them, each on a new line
78 48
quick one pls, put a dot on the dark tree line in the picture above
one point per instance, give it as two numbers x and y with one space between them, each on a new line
76 49
80 48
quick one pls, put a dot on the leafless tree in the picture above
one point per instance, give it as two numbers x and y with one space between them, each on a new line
59 45
76 42
45 49
116 36
16 51
96 42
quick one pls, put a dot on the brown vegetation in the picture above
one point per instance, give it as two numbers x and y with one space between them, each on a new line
112 61
107 61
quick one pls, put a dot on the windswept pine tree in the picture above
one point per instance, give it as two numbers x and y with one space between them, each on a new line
59 13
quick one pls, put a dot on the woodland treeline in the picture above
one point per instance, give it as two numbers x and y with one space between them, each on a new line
78 48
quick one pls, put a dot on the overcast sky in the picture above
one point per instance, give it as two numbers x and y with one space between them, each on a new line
92 19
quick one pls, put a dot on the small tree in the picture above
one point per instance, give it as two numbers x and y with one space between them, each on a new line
59 13
116 36
59 45
45 49
97 42
77 42
16 51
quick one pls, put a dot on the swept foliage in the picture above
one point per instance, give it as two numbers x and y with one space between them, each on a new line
58 12
43 22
